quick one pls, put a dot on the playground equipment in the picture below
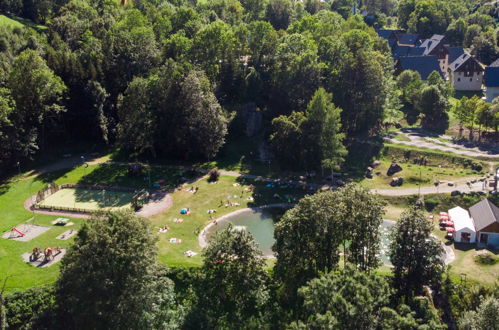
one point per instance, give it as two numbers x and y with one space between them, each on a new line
23 229
50 253
35 254
15 231
140 199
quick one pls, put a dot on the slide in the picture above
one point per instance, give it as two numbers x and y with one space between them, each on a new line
17 231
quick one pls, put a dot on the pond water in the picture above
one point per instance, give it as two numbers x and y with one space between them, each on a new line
260 223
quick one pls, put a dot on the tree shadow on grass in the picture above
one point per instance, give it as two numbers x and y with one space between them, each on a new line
275 192
4 187
103 198
361 155
151 178
49 177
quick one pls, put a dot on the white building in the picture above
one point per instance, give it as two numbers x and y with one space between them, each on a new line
466 73
463 225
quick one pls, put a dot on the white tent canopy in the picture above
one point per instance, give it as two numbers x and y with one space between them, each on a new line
463 225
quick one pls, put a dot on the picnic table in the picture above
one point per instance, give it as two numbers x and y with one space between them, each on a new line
61 221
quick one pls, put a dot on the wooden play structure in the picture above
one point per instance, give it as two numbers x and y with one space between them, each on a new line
48 254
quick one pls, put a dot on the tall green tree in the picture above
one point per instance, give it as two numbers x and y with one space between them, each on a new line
233 291
201 121
37 93
286 140
110 278
322 138
309 236
486 316
362 215
433 106
416 256
348 299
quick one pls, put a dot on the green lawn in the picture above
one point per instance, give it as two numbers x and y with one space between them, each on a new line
13 193
209 196
20 22
12 196
415 174
6 21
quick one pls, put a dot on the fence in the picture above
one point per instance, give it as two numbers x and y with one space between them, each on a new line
53 188
50 189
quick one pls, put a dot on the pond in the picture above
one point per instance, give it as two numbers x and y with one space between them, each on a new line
260 223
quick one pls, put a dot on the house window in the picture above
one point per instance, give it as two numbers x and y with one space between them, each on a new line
471 79
458 79
465 237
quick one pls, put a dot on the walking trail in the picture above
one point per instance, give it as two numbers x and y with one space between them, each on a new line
162 201
420 139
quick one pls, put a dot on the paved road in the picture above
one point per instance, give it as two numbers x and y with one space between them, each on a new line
419 139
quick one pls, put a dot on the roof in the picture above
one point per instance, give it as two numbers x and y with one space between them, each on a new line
492 76
432 43
424 65
461 60
461 219
386 34
484 213
408 39
494 64
454 53
400 51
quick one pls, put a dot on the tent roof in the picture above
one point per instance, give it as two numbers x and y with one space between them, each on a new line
461 218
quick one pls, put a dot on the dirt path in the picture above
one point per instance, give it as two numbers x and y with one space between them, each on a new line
422 140
161 203
443 188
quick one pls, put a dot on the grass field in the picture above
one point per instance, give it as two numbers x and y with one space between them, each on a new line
210 196
6 21
416 174
20 22
91 200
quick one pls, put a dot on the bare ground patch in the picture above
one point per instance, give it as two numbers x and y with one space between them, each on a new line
25 233
40 261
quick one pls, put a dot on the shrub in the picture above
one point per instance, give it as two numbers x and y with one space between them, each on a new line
485 259
213 175
430 203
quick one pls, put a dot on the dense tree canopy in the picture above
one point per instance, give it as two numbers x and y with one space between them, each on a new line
110 277
416 256
309 237
234 289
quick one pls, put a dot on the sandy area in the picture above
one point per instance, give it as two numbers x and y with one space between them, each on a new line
67 234
40 261
29 231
